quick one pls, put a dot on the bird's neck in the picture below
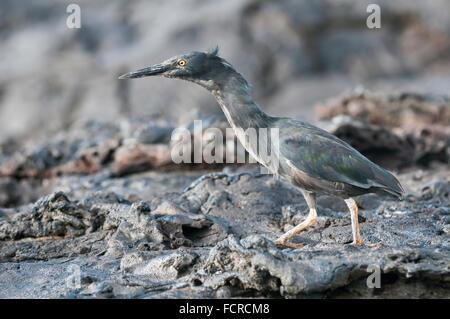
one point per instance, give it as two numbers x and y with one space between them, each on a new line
235 99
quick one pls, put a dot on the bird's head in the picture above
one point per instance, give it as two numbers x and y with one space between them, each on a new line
204 68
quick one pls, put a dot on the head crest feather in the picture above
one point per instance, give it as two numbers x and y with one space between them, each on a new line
214 51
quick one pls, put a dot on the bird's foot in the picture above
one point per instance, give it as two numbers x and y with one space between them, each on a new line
360 243
286 244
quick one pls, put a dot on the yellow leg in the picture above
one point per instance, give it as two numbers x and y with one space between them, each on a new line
310 199
353 207
283 240
358 235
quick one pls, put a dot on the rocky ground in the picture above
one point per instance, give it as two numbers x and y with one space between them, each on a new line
99 210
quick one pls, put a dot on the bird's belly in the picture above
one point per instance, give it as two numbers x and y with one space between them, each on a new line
321 186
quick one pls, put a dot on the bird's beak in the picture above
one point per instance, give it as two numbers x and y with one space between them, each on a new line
151 70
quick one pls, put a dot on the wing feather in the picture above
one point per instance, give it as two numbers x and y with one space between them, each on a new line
322 155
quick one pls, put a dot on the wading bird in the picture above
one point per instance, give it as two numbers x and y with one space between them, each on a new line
308 157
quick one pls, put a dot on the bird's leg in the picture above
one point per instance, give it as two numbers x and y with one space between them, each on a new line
353 207
310 219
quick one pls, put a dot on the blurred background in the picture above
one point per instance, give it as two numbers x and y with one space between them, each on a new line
296 53
87 177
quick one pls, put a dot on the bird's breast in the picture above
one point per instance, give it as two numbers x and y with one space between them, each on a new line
259 145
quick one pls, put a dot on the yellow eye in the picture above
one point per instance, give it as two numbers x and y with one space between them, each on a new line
182 62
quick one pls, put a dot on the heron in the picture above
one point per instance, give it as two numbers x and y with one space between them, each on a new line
310 158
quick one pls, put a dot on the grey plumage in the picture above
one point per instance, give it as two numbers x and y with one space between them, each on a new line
309 157
323 163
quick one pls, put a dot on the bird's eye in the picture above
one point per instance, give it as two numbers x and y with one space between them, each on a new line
182 62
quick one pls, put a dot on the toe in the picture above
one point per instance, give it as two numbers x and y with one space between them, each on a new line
360 243
290 245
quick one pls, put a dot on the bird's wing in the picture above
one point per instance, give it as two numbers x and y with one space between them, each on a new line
322 155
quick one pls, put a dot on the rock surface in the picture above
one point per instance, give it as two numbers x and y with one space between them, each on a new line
196 233
395 130
216 239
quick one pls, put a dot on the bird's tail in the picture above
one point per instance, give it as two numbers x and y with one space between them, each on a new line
390 193
389 185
